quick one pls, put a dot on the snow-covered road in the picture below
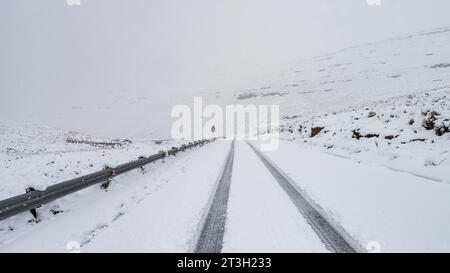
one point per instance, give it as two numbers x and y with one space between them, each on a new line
165 209
261 218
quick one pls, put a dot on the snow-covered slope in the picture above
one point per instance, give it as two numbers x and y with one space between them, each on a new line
408 133
413 63
41 156
404 81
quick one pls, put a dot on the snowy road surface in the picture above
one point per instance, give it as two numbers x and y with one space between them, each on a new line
334 237
261 218
212 229
166 209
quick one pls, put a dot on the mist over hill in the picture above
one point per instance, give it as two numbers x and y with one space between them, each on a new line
116 68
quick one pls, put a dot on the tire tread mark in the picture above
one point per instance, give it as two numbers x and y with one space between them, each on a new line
210 239
334 238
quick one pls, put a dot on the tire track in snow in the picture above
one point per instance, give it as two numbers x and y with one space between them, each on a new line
334 237
210 239
260 217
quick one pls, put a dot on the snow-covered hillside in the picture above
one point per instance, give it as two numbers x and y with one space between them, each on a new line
381 103
41 156
403 65
409 133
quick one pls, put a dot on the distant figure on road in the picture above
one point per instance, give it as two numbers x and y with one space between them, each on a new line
213 129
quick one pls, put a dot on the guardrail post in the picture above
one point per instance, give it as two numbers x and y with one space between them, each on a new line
105 185
174 151
142 167
34 210
164 155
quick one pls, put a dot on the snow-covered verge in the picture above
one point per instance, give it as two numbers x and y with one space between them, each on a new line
37 157
408 133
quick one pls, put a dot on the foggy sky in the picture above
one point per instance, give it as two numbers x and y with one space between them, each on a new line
55 57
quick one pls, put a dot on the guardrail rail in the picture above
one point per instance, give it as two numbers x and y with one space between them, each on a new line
36 198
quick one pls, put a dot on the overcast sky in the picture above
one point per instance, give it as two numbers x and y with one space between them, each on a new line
55 57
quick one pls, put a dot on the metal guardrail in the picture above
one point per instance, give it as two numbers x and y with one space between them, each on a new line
36 198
